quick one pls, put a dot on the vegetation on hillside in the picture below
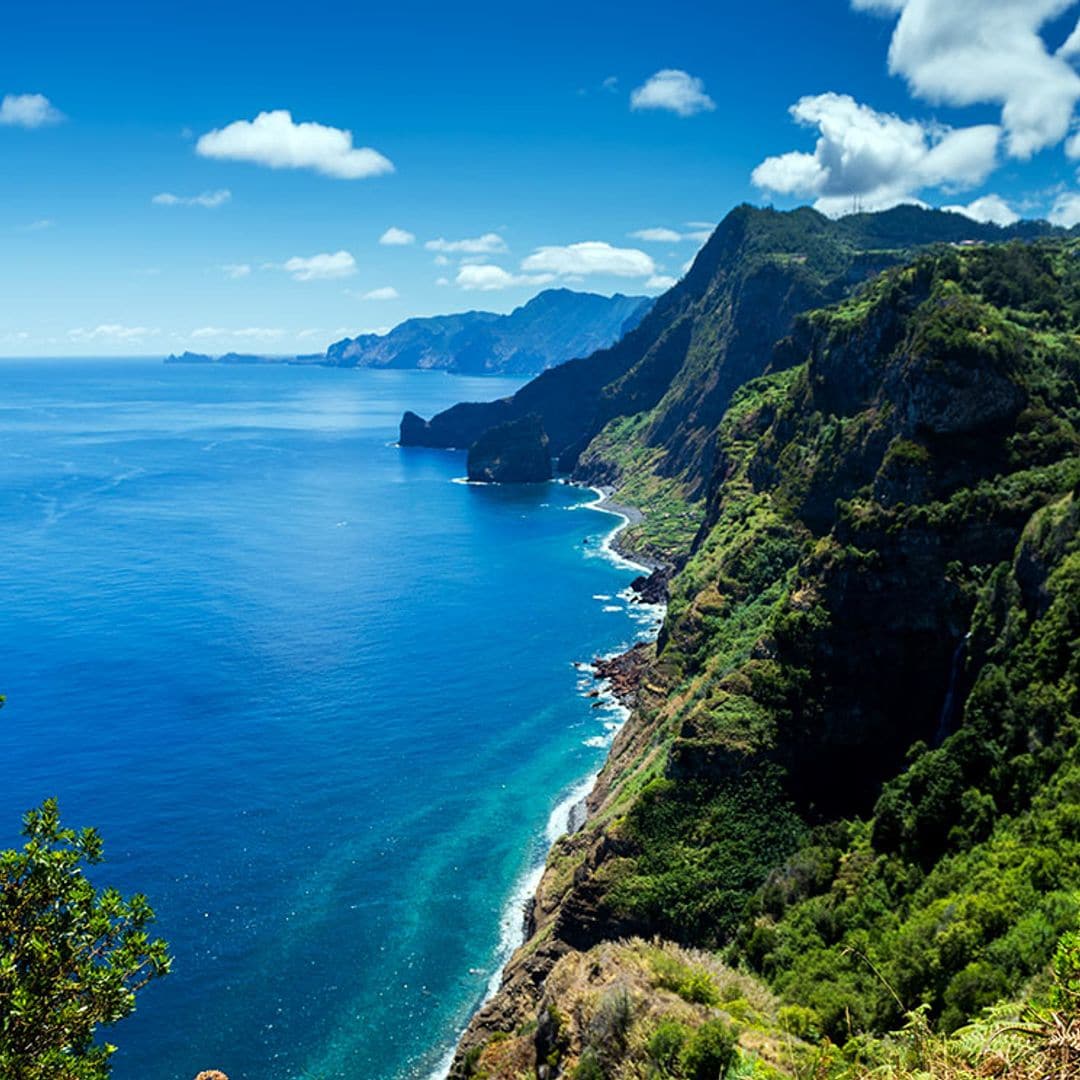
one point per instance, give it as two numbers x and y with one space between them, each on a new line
854 771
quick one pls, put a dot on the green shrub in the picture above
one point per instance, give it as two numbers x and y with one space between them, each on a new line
589 1067
693 984
1066 971
665 1048
710 1052
800 1021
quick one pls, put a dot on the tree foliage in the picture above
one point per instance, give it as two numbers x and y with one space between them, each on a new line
72 957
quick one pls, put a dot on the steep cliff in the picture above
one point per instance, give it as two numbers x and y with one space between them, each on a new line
853 755
516 452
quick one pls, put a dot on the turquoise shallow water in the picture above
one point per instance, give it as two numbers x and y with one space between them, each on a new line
319 699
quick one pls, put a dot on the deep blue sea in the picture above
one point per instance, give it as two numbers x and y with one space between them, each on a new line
318 697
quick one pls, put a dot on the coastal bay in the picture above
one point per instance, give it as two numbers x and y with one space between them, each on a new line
333 779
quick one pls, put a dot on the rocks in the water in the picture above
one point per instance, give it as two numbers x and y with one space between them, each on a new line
623 673
652 588
516 452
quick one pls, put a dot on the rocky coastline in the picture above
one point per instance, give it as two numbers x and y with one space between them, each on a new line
555 923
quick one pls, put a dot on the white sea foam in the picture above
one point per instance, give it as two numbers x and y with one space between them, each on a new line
601 596
606 545
612 607
512 921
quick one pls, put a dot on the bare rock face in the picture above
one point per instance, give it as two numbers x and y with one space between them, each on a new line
516 452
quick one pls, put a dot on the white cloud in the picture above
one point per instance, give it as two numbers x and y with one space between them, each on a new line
700 232
674 90
590 257
972 52
387 292
395 237
1066 210
489 278
209 199
989 208
28 111
661 281
488 244
274 140
657 236
442 281
111 332
875 160
320 267
237 270
245 333
611 84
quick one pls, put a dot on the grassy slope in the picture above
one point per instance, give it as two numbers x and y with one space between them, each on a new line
799 798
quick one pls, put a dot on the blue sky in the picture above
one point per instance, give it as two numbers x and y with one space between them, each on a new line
162 186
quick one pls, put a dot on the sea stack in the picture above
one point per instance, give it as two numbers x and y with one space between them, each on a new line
516 452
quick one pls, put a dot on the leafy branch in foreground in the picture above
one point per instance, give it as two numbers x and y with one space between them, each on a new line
72 958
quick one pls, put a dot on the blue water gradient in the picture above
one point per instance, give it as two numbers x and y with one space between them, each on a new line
318 698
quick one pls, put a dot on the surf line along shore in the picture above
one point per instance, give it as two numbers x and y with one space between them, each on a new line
616 677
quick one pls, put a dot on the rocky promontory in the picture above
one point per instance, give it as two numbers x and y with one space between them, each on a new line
512 453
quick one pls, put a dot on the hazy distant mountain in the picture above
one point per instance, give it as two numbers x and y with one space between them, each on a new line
555 326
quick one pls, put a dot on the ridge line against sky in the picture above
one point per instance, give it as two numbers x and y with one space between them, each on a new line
291 182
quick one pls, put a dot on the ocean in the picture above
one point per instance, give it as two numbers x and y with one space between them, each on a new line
319 698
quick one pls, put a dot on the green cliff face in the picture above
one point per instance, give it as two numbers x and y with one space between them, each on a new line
643 413
852 770
516 452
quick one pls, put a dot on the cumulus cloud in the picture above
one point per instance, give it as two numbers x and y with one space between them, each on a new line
590 257
875 160
28 111
486 277
275 140
990 208
395 237
387 292
320 267
488 244
674 90
972 52
1066 210
209 199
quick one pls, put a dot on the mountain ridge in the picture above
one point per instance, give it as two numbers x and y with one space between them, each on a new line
554 326
853 747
